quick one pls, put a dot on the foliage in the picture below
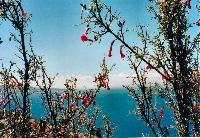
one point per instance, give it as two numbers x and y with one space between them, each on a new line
174 56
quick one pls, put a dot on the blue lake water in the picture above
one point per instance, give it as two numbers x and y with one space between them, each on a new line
115 105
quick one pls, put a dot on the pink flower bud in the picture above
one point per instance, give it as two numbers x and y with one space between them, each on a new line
195 106
84 38
71 105
149 67
24 13
3 100
62 100
76 108
121 53
110 51
188 4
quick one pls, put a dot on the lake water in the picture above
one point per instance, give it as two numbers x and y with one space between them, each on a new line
115 105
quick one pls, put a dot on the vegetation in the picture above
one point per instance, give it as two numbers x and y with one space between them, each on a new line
171 51
66 113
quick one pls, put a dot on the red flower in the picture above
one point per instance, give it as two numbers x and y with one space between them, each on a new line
149 67
85 100
91 120
84 38
71 105
19 84
18 110
121 54
165 74
108 88
76 108
62 100
62 129
109 52
34 125
16 82
79 97
24 13
195 106
95 79
161 113
103 84
6 104
197 22
3 100
188 4
65 95
195 134
86 31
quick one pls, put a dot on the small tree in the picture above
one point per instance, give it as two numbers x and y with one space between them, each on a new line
66 113
174 56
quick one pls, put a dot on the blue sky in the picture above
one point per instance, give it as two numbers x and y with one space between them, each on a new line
58 40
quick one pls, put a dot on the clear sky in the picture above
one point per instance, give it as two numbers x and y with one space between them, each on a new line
58 40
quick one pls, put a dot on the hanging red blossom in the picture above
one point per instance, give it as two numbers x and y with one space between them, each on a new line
121 53
62 100
181 1
16 82
110 51
4 106
86 30
197 22
165 74
149 67
34 125
103 84
84 38
64 95
24 13
85 100
195 134
195 106
95 79
18 110
108 88
79 97
76 108
161 113
188 4
62 129
19 84
91 120
71 105
3 100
